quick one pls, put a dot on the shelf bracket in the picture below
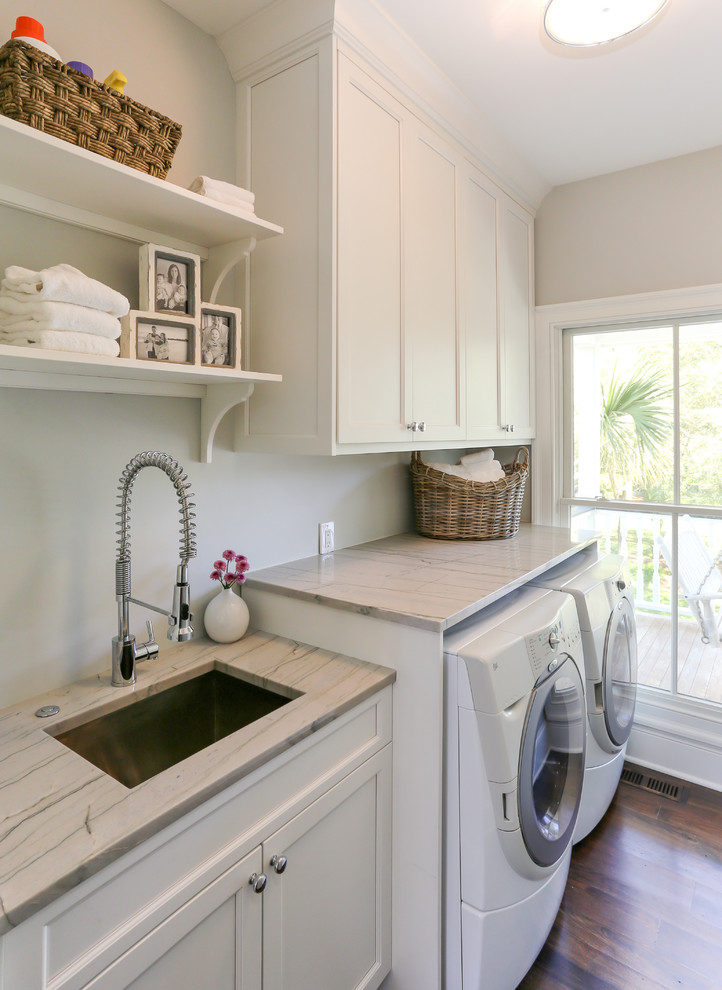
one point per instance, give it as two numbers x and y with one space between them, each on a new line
220 261
214 405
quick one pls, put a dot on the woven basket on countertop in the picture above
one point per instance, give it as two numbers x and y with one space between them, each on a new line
452 508
38 90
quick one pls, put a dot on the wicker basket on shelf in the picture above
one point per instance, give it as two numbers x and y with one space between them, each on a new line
452 508
38 90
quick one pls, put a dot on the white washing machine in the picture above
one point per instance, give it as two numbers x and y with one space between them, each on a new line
514 762
602 590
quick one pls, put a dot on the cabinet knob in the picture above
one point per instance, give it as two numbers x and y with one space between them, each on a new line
422 426
412 426
258 881
509 428
279 863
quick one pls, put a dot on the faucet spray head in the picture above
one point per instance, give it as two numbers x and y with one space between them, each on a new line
180 629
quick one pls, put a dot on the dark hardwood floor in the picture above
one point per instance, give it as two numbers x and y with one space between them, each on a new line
643 903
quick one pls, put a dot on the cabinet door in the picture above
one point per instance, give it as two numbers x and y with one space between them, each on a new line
516 312
213 941
370 339
479 310
326 921
430 290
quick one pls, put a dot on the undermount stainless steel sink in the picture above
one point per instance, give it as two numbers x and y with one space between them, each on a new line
145 737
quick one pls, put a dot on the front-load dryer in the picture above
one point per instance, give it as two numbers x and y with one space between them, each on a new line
601 588
514 762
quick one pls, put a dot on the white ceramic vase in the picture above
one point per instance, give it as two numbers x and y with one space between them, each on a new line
226 617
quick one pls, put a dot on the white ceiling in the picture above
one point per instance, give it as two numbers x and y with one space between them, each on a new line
573 113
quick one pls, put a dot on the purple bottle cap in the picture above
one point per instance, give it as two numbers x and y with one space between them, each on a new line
81 67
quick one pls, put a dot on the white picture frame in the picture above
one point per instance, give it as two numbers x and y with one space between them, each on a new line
170 281
220 336
159 337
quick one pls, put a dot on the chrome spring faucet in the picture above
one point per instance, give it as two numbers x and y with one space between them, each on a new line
125 652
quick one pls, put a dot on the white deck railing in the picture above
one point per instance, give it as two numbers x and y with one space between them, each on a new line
616 528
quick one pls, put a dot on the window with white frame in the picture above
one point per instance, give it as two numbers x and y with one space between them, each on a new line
643 464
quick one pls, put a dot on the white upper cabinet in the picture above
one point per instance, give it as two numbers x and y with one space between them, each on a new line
515 317
497 306
429 282
397 332
386 304
479 306
371 356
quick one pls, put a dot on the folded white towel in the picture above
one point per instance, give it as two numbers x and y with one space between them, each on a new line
63 283
245 208
57 340
17 315
457 470
478 457
224 192
487 471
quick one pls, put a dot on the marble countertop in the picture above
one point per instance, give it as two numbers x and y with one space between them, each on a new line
433 584
62 819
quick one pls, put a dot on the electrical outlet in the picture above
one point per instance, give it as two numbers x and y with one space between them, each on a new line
325 537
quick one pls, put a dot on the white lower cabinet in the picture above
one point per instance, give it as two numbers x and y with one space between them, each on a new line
213 941
300 900
320 914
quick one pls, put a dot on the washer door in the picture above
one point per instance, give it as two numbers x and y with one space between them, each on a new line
551 763
619 672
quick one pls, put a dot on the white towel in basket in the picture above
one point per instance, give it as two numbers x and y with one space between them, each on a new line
486 471
478 457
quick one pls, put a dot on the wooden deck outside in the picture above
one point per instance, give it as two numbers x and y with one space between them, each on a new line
699 667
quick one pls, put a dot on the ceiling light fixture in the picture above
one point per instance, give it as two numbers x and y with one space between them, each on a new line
580 23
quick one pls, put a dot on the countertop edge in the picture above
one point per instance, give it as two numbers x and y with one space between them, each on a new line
315 595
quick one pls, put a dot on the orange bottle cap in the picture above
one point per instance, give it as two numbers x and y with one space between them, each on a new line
28 27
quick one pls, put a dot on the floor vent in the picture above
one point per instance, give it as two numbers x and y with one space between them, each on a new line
658 785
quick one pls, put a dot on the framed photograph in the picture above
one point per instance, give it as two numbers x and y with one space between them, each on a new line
163 339
170 281
220 336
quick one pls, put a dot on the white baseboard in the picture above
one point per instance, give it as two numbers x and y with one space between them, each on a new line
678 737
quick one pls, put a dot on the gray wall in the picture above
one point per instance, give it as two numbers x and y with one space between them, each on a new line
61 453
654 227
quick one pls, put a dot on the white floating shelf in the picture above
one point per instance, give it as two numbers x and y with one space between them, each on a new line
219 389
53 178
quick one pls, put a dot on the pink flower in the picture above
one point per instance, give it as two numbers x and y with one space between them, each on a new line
222 571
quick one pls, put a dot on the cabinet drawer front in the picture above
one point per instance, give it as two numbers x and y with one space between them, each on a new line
88 928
